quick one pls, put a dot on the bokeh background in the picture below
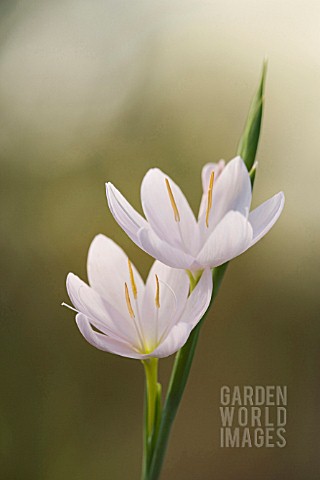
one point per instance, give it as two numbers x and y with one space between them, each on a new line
102 90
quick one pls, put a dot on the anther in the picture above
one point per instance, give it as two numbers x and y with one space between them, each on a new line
173 203
132 281
209 204
157 297
130 310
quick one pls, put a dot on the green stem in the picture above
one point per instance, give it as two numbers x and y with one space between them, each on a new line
151 371
152 412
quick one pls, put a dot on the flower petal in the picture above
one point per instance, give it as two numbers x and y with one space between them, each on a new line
157 321
160 214
231 192
173 294
176 279
108 271
199 300
265 216
126 216
161 250
230 238
174 341
196 307
103 342
101 313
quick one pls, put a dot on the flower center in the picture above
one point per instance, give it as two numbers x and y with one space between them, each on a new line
129 305
145 346
209 201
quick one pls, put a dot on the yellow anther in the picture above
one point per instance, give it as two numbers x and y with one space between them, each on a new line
132 281
173 203
209 204
157 298
130 310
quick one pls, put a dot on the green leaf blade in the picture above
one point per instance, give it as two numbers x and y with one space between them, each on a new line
249 140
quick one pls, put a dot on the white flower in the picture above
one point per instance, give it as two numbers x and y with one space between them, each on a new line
120 314
224 228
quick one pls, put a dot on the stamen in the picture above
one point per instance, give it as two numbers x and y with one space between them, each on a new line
157 298
173 203
133 283
130 309
209 204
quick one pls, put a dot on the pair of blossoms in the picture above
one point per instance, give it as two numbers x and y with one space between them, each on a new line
120 314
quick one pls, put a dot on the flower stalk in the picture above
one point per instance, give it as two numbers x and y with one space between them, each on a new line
152 411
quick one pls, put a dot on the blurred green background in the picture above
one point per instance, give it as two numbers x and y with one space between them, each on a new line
102 90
